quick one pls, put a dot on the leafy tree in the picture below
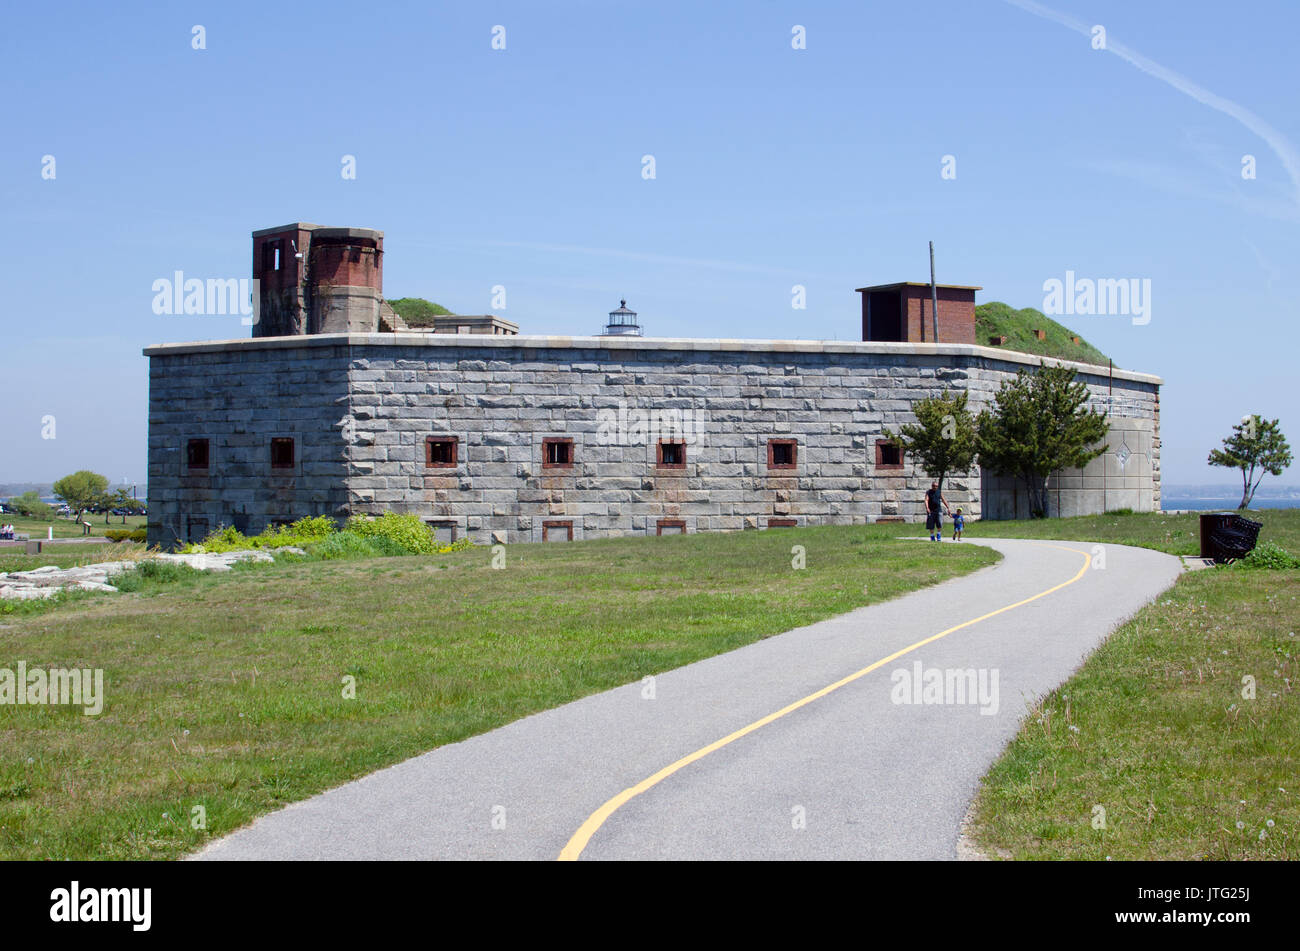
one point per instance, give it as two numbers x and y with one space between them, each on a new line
30 505
117 499
1039 425
942 440
125 500
82 490
1256 444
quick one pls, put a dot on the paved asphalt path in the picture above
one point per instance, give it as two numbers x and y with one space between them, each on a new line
868 777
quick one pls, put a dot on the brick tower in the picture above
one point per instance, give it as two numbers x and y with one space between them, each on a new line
317 280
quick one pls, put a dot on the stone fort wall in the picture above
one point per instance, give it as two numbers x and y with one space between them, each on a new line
361 408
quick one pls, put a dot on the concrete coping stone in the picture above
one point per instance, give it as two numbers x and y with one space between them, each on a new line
620 343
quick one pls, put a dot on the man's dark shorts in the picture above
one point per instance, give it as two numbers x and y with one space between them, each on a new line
934 521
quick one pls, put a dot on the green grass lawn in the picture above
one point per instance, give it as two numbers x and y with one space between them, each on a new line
69 556
225 691
1154 728
998 319
1175 534
68 528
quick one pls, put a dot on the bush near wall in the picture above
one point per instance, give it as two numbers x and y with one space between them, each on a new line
390 534
406 530
124 534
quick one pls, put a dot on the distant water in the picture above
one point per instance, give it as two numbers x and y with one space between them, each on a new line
1221 504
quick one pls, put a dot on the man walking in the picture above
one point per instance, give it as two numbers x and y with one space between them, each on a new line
933 516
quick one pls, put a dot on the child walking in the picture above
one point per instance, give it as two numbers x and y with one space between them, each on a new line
958 523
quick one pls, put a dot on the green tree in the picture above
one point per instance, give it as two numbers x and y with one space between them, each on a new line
82 490
1037 426
30 505
1256 445
120 499
942 440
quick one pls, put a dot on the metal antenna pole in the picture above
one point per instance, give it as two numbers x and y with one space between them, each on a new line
934 298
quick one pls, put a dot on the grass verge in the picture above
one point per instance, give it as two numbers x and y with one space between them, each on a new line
226 691
1175 534
1159 747
68 527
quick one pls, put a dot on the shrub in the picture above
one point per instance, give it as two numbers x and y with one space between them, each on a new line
385 547
406 530
346 544
1269 555
124 534
390 534
302 532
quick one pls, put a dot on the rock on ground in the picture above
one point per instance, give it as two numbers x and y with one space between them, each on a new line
221 561
47 581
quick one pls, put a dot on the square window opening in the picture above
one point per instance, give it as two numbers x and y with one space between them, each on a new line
889 455
782 453
196 454
440 452
282 452
557 453
444 532
672 455
557 531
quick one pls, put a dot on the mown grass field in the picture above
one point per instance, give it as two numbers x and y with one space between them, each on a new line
69 556
226 691
1175 534
1154 729
69 528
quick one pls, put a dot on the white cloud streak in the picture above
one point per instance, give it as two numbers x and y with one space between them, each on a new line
1279 143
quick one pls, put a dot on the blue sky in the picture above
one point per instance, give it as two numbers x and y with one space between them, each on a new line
774 166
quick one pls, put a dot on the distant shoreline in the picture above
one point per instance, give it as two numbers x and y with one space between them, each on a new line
1202 504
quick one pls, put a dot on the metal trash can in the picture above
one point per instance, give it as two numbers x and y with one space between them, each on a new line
1226 535
1210 523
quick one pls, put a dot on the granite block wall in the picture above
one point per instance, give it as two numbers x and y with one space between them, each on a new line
365 407
239 400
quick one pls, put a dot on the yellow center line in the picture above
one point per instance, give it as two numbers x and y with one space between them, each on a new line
579 841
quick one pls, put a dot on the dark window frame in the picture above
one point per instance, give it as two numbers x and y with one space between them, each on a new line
429 442
793 445
273 255
281 465
881 464
782 523
553 523
190 464
679 444
549 441
670 523
433 524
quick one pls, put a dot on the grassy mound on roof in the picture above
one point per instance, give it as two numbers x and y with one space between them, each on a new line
996 319
416 311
